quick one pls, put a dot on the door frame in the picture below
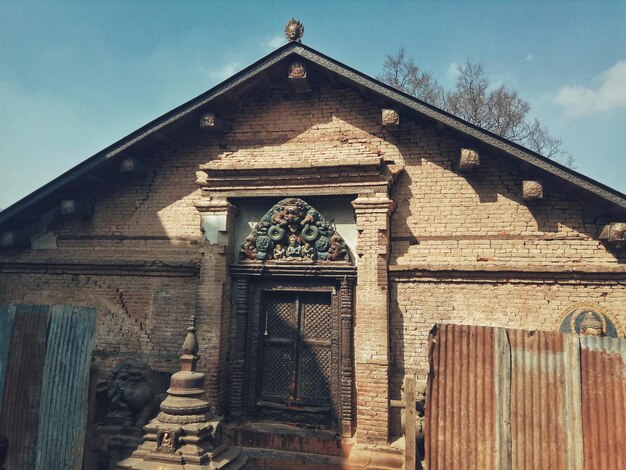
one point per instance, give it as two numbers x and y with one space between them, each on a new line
245 381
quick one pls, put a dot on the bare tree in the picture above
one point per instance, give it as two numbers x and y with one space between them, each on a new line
401 72
497 109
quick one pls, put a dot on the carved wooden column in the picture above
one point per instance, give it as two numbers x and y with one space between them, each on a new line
371 338
238 349
213 294
345 310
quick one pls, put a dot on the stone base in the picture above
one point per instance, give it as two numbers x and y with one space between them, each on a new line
117 443
271 446
190 446
227 458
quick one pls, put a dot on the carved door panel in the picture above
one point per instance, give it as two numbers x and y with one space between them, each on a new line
297 355
314 360
279 347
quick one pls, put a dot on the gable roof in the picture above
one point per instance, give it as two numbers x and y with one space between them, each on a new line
258 71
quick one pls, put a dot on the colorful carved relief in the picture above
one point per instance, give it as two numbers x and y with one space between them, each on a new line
589 320
293 231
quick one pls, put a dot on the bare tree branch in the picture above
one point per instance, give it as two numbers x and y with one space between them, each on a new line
499 110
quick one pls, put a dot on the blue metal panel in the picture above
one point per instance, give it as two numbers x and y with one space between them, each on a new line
22 389
7 314
65 388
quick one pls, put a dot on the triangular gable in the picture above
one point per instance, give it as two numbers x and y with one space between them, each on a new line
153 129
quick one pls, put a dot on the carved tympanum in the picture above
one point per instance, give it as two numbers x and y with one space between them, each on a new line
589 320
294 231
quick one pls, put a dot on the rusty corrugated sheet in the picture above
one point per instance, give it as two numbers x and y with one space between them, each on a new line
534 400
603 396
7 314
462 358
21 400
64 394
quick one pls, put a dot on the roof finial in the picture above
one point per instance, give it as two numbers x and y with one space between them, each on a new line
294 30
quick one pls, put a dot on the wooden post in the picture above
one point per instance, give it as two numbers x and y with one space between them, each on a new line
410 420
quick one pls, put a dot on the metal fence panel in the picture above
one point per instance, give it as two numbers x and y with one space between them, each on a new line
558 401
7 315
65 388
21 400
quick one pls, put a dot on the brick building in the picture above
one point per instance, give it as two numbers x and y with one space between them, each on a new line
317 223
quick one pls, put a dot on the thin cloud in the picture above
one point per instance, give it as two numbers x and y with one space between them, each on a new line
529 57
224 72
273 43
609 95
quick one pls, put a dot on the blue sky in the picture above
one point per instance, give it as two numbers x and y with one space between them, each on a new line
77 76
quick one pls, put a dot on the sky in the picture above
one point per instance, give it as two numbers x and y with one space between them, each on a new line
77 76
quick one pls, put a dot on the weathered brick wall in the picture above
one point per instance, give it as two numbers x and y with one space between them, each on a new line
443 220
535 302
478 219
142 316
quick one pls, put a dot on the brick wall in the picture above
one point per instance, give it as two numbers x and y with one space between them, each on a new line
443 220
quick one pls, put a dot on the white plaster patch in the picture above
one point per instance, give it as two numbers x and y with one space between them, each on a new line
214 227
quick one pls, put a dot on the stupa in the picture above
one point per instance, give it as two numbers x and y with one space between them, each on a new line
185 434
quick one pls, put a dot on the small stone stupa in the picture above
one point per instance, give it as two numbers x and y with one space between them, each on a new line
185 434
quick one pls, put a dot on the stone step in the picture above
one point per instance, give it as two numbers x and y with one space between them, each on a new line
272 459
231 459
291 439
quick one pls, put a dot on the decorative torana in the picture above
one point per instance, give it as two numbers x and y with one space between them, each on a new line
293 231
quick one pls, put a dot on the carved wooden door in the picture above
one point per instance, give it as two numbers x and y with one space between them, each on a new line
296 348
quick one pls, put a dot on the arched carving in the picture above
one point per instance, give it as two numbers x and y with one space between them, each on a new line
589 320
294 231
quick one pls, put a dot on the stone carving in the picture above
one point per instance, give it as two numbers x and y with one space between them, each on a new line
469 159
131 393
614 234
589 320
207 120
185 434
390 118
293 231
297 70
167 440
532 190
294 30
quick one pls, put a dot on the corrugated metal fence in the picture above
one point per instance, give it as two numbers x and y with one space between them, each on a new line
45 356
512 399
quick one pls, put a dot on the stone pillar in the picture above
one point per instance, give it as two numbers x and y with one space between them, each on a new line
371 335
213 294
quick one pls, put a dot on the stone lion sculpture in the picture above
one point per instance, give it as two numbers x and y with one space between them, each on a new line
131 393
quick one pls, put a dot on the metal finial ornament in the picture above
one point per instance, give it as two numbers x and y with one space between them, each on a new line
294 30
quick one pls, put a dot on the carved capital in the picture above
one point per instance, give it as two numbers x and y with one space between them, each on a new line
216 206
373 203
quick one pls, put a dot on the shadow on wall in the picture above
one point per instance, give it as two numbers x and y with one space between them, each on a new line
431 198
